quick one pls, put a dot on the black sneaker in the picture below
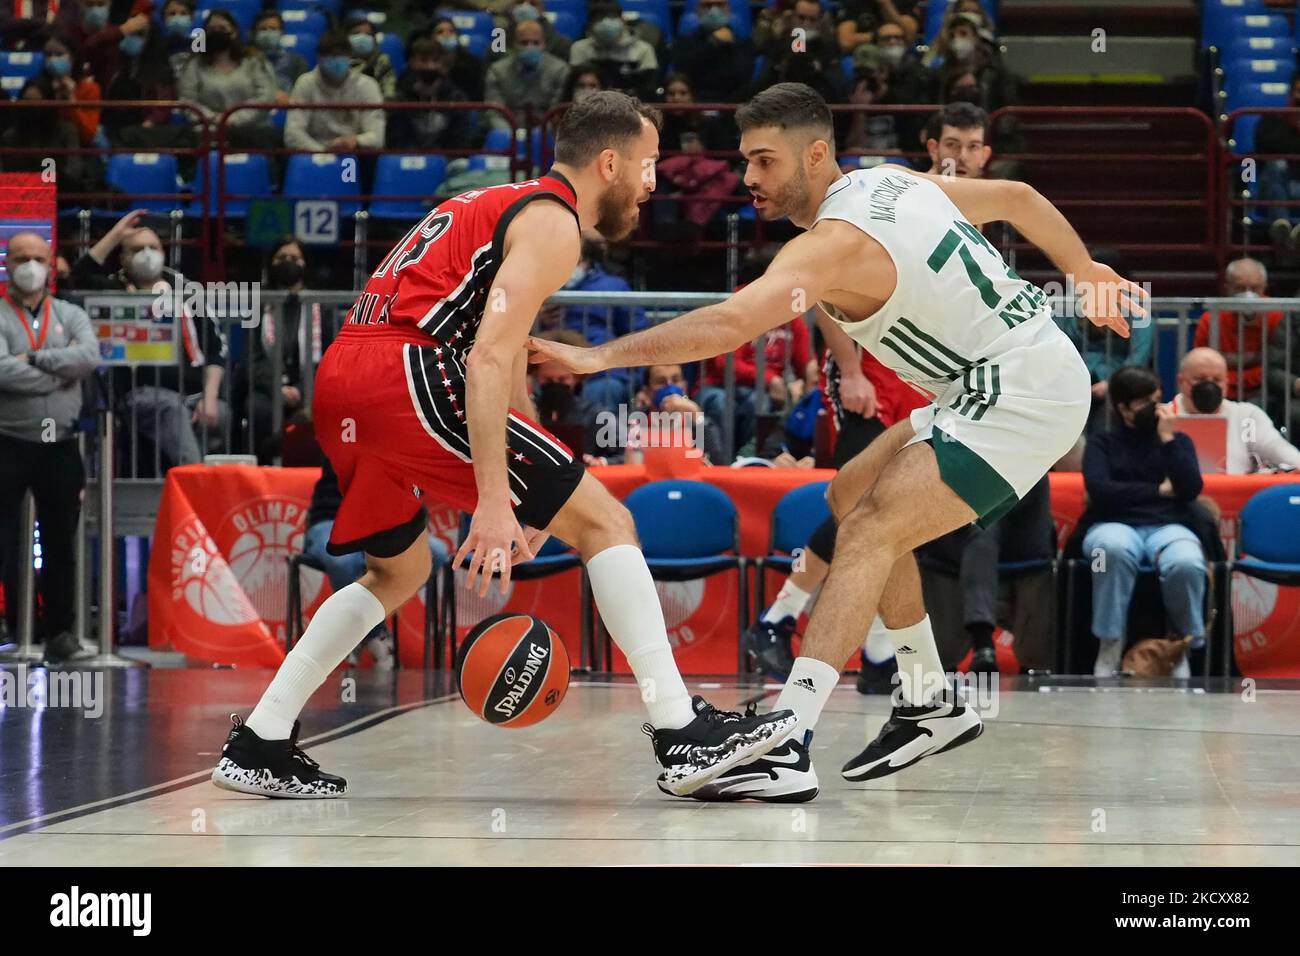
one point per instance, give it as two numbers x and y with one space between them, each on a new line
877 678
272 768
984 660
713 743
66 648
784 774
912 733
768 646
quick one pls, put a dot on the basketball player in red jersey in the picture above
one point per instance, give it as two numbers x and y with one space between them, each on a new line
420 394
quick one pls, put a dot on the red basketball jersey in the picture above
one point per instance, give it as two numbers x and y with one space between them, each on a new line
436 280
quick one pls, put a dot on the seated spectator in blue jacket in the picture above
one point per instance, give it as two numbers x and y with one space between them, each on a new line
1142 478
604 391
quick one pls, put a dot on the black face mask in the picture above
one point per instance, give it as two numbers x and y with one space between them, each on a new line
1207 396
286 273
219 41
427 77
554 399
1144 420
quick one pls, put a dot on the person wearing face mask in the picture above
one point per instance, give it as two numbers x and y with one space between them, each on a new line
334 81
101 50
561 402
178 32
556 43
527 77
268 30
177 408
47 347
42 128
426 81
718 62
69 84
1254 443
147 76
1142 480
463 68
1241 334
626 62
806 52
366 55
224 76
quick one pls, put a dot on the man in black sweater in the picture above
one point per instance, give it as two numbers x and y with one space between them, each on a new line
1141 478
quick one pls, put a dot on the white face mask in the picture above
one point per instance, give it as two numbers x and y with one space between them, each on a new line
962 47
893 55
145 265
30 276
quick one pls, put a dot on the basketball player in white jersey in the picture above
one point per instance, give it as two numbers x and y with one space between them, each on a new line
895 258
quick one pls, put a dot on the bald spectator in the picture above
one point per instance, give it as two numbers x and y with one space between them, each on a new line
47 346
1253 442
1241 334
528 76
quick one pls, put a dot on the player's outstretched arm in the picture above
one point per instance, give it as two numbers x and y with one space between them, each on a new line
1106 296
794 281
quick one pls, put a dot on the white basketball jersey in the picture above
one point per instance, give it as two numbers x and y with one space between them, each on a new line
957 304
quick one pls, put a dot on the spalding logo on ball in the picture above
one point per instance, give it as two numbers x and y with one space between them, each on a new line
513 670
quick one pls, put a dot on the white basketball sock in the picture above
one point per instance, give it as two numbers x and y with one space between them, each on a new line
629 605
347 616
806 691
920 672
878 647
789 603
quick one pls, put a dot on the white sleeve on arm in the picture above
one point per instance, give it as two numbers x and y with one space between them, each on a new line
1269 444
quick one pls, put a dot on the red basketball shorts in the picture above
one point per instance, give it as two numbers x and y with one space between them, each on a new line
388 407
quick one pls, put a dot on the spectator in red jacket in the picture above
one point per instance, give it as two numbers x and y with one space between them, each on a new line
1241 335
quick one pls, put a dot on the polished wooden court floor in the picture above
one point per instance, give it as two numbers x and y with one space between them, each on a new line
1069 772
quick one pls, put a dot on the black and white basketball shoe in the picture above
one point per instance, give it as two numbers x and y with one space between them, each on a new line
784 774
272 768
768 646
912 733
713 743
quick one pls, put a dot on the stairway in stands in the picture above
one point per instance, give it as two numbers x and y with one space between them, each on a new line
1124 180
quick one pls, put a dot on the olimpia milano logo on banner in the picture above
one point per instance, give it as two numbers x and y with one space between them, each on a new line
202 577
680 600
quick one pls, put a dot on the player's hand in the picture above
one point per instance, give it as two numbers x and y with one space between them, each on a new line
857 394
1106 298
582 361
494 535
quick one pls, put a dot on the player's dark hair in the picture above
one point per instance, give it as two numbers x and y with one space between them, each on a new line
788 106
1131 382
607 119
959 115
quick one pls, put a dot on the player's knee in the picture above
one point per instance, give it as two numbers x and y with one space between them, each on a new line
619 524
870 527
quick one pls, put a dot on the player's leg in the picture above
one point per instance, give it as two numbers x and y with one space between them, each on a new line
694 741
262 755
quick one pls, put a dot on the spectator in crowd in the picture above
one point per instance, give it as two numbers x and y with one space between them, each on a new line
557 395
582 81
811 55
47 347
223 76
45 130
1280 178
334 81
527 78
1241 334
465 70
719 63
255 381
1142 480
957 145
664 392
886 75
59 67
859 22
178 31
969 65
1283 377
426 81
182 412
625 62
604 391
556 43
1253 442
343 569
102 43
775 24
145 76
268 31
366 55
691 131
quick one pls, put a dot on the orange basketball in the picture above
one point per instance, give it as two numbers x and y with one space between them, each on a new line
513 670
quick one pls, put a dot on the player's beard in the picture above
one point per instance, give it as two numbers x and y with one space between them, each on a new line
613 219
791 198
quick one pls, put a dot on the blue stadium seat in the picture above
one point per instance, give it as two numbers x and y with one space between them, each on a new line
398 175
21 66
321 176
1217 18
1246 93
247 175
12 85
498 139
1217 32
1254 48
1270 535
574 8
304 21
304 44
324 6
567 23
469 21
1242 139
244 16
1252 70
476 43
391 43
134 174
